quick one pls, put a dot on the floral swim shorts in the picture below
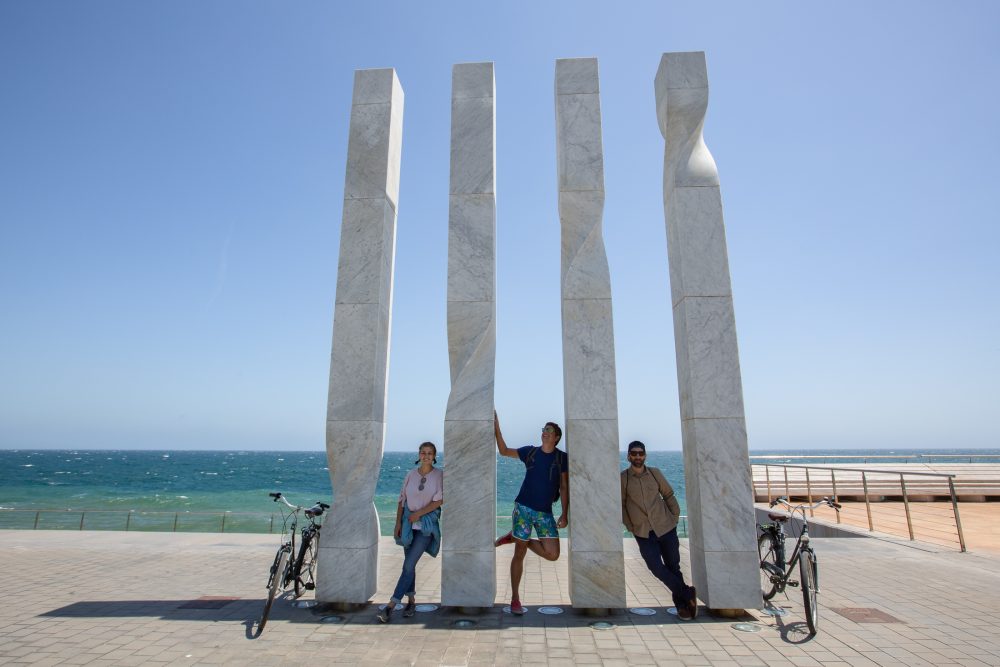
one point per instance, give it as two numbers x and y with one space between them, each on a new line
524 518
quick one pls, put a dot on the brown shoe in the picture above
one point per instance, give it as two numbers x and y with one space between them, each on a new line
693 603
684 612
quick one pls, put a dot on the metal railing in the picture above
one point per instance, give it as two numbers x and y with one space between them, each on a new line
142 520
865 458
809 483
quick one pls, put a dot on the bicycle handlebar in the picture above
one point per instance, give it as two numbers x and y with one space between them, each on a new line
315 510
825 500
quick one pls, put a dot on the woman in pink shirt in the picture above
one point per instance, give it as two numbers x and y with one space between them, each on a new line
417 525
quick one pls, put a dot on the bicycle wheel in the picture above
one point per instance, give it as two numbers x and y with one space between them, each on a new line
770 568
273 583
808 572
305 565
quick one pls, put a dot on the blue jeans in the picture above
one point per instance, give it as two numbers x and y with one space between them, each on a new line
663 558
411 554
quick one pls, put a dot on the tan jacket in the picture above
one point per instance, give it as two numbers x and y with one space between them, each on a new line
648 503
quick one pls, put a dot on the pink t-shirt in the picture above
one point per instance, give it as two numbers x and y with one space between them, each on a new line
433 488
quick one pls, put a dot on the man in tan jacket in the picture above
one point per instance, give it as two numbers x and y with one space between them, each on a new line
650 512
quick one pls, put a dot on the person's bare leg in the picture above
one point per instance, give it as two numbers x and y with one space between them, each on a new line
547 548
517 567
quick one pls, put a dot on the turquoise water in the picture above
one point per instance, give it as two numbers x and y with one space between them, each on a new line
171 489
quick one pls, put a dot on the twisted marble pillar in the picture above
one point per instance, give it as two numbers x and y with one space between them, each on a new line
724 559
355 428
597 566
468 568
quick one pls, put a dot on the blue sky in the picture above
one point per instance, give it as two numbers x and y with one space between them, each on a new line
171 180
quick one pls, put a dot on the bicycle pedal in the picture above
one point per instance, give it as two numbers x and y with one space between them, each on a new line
310 586
793 584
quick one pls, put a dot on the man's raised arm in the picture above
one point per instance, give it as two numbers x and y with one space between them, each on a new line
501 444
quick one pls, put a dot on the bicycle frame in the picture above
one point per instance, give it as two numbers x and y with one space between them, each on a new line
777 531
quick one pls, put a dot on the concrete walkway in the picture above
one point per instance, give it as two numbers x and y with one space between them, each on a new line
106 598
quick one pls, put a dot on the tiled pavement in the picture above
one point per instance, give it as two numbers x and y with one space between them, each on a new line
117 599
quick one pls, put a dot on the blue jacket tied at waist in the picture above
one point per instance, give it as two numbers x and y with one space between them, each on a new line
431 524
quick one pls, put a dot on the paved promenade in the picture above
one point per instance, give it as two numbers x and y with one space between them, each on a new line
104 598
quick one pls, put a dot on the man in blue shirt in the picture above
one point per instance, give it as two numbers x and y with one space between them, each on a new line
546 478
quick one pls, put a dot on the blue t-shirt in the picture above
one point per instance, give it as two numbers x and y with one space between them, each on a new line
541 480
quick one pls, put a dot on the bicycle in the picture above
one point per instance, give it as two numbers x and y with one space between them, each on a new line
287 568
771 549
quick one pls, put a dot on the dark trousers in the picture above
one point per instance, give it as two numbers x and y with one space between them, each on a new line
663 558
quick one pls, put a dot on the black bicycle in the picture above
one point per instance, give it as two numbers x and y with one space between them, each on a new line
774 576
289 569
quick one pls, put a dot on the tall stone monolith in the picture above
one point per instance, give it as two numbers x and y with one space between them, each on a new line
724 561
355 429
596 566
468 568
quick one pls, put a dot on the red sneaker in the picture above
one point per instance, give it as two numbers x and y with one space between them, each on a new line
516 608
504 539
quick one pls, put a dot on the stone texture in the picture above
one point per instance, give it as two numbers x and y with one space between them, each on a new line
359 364
468 567
724 559
596 567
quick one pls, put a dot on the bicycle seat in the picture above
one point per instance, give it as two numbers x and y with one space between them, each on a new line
777 517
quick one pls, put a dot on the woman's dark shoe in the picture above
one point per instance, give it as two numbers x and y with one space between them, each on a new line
384 613
410 609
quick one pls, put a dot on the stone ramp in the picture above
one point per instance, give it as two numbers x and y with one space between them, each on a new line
102 598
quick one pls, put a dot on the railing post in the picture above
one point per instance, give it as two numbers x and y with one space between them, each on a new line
833 483
788 495
223 529
767 476
175 521
35 527
809 493
82 515
270 528
128 520
906 505
954 506
868 505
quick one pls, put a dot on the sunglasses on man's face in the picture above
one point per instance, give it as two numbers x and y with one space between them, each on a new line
548 429
637 453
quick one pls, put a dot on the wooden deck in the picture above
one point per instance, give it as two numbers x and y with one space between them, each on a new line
973 482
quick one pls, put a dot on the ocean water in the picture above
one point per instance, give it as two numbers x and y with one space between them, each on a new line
227 490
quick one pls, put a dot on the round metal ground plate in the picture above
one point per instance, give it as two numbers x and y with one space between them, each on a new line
602 625
551 611
506 609
672 611
464 623
424 608
304 604
643 611
746 627
332 619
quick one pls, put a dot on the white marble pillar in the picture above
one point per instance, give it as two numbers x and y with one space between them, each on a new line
724 560
596 567
355 429
468 568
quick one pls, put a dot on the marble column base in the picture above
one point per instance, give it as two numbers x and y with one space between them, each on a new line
597 579
724 560
347 575
470 580
468 567
596 558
